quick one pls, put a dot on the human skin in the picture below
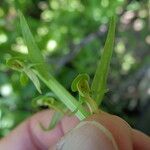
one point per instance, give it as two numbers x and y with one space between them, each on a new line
30 136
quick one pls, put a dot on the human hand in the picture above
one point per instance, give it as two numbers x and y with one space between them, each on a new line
102 131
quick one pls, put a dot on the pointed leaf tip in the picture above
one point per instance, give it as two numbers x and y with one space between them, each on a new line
100 79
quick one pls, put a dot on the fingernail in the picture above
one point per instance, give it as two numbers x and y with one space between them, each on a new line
88 135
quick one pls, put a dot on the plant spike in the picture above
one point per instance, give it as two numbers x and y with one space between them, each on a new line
99 82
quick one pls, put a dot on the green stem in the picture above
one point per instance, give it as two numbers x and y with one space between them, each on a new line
64 96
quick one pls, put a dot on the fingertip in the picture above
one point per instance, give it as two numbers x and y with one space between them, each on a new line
118 127
87 135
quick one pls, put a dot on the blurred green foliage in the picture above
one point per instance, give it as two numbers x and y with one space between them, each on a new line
70 34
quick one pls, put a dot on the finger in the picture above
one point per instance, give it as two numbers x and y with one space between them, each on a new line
108 132
140 140
88 135
29 135
119 129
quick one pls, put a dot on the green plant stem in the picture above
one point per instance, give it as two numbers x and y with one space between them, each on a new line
64 96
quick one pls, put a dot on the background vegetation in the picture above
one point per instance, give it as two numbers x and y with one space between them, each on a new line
70 34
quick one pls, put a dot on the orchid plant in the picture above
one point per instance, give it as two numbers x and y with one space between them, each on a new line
33 67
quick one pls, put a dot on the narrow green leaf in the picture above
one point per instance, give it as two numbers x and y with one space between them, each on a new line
99 82
33 77
34 53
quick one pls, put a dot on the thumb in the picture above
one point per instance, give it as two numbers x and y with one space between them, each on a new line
88 135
